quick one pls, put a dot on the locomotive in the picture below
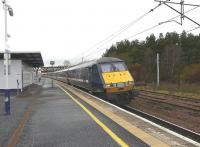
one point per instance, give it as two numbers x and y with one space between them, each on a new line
106 77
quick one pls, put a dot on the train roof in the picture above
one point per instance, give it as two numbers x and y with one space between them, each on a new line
108 59
92 62
97 61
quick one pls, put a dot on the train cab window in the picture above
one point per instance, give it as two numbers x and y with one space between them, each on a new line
110 67
119 66
106 67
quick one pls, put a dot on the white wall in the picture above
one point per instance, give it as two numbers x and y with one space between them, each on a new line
19 70
27 75
1 75
15 74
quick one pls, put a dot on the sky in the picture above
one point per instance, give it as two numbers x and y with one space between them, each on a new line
70 29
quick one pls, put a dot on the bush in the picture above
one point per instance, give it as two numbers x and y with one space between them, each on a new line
137 71
191 74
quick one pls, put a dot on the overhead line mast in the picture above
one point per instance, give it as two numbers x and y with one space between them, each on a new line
169 20
182 11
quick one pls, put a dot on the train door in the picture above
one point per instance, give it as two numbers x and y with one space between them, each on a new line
95 79
90 77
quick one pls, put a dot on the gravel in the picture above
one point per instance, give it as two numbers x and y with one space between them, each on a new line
186 118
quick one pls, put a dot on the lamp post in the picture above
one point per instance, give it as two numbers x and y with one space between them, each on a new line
7 8
52 63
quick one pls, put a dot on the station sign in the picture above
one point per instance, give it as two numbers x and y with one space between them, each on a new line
7 62
52 62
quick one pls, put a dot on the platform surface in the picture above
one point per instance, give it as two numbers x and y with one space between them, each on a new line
19 105
56 120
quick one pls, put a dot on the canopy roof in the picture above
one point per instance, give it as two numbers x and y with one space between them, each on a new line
33 59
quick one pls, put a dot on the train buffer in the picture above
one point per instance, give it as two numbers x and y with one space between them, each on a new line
62 116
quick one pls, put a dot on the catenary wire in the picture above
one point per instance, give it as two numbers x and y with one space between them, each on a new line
112 36
192 29
148 29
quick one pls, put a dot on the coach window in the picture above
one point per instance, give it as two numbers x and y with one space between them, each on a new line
94 69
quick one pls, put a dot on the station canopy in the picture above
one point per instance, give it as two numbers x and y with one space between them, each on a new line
33 59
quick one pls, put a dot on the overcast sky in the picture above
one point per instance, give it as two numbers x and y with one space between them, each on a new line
67 29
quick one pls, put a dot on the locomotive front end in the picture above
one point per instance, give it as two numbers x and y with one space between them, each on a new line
118 82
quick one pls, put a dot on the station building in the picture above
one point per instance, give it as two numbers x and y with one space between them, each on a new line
21 73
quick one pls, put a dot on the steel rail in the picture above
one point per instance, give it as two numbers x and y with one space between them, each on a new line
175 96
192 107
179 102
173 127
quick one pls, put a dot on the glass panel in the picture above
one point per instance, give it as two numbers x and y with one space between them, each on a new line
110 67
119 66
106 67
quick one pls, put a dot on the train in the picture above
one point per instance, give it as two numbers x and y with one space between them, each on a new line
107 78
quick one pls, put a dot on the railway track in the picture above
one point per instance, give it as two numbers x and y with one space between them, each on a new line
174 96
184 102
173 127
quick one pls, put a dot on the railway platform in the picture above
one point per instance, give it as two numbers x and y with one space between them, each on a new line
45 116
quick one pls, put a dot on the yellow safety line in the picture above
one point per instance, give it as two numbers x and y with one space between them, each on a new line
102 125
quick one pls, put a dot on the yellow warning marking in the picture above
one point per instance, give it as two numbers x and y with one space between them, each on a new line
141 134
102 125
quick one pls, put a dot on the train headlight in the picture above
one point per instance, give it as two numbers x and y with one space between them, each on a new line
126 83
131 83
107 85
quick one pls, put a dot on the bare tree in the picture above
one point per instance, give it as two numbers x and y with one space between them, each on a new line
66 63
171 63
